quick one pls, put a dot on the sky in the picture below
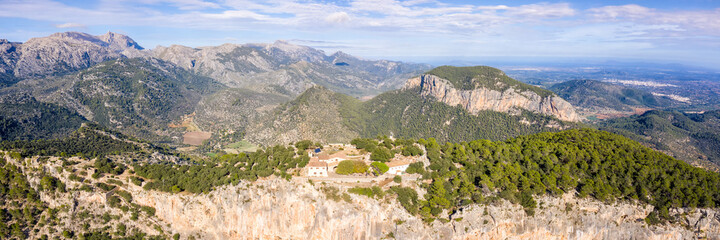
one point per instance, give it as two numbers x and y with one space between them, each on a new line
686 32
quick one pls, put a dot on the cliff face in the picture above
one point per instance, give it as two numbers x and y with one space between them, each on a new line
278 209
480 99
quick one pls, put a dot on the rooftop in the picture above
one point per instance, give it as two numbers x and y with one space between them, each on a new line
399 162
316 164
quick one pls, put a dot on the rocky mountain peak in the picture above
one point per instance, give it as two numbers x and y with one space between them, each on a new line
340 56
64 52
119 41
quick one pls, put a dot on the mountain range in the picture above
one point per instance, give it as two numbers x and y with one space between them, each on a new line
280 93
111 80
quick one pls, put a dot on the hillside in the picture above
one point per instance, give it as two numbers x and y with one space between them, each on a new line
600 98
690 137
22 117
316 114
162 93
428 106
137 96
322 115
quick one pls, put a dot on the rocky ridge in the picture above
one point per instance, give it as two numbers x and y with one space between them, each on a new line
478 99
289 69
64 52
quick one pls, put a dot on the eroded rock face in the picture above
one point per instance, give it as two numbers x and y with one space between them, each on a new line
64 52
479 99
279 209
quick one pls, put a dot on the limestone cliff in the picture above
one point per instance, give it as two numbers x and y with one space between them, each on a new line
509 100
275 208
278 209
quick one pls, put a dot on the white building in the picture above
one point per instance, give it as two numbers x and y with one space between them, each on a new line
317 169
398 167
334 158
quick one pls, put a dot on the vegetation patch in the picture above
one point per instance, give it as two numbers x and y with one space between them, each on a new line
349 167
469 78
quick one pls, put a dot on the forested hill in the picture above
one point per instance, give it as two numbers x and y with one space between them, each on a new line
322 115
90 140
470 78
24 117
594 163
406 114
693 137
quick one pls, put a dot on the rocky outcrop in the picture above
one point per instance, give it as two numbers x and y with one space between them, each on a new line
280 209
64 52
479 99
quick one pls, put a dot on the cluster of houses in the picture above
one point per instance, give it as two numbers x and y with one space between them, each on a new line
323 162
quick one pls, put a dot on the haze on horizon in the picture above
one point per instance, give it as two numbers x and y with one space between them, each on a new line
685 32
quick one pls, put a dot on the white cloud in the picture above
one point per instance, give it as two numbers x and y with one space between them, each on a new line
707 21
180 4
70 25
543 10
338 17
235 14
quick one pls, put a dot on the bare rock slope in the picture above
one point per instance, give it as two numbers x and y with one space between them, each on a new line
289 69
63 52
279 209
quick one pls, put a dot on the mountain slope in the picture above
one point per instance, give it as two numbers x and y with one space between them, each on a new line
322 115
22 117
138 96
289 69
404 113
694 138
315 114
62 53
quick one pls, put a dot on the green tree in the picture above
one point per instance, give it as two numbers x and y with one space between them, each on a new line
381 154
380 167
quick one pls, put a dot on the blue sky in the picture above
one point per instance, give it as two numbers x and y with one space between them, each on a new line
420 30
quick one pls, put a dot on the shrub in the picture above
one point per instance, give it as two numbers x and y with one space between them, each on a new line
416 167
149 210
349 167
380 167
397 179
381 154
304 144
411 150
